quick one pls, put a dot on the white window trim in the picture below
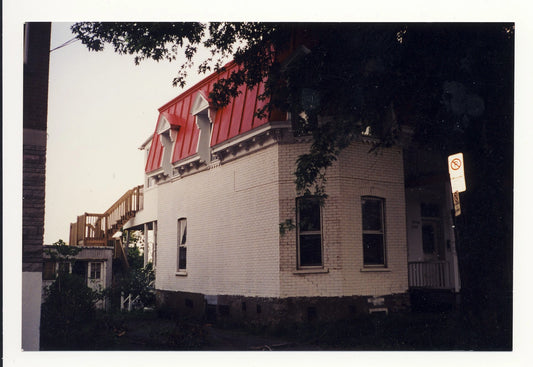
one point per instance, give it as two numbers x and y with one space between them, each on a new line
179 245
308 268
383 232
102 271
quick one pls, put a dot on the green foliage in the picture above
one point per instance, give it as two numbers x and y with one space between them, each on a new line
135 258
136 281
61 252
68 308
69 303
338 79
286 226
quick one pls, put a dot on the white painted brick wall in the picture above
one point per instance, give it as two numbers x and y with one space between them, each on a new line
233 213
356 173
232 228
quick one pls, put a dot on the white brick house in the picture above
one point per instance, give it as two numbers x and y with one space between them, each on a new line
233 240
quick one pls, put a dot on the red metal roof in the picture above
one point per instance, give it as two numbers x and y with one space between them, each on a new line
232 120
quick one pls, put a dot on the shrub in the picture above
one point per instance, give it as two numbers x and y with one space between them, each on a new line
67 312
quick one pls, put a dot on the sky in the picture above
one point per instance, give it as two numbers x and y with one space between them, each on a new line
101 108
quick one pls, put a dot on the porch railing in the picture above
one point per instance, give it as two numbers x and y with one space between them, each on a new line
433 275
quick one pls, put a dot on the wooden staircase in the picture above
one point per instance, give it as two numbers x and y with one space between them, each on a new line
99 229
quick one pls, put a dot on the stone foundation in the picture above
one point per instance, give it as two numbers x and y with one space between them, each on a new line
264 311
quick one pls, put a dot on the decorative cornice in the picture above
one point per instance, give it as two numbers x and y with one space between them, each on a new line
265 135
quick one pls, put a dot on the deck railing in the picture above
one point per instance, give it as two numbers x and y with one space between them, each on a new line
98 229
124 208
434 275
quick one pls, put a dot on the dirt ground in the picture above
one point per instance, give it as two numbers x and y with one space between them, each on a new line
163 334
410 332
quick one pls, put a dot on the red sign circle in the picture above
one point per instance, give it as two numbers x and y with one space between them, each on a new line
456 164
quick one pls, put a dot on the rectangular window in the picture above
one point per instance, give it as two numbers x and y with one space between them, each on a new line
309 232
182 244
373 231
95 271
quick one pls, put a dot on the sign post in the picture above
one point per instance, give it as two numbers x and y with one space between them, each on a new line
456 203
457 179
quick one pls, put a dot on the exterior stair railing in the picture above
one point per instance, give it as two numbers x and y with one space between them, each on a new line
98 229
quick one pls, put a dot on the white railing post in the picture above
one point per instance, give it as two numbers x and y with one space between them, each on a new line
127 300
429 274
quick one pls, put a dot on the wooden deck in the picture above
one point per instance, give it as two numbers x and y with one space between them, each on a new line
92 229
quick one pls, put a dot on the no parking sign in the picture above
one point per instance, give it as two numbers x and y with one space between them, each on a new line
457 172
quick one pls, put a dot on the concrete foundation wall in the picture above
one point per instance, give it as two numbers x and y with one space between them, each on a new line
274 312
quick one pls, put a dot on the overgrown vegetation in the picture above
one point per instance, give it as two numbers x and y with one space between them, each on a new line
69 317
136 281
69 307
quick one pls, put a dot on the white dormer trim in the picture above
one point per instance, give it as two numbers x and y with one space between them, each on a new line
200 103
164 127
168 136
204 115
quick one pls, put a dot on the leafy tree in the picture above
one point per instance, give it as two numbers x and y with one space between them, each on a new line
450 84
349 76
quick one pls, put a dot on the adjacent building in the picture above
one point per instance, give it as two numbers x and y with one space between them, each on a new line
94 264
36 66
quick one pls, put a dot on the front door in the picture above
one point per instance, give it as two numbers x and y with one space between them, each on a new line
432 241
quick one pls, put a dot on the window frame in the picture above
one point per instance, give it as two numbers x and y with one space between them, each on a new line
91 270
382 232
181 245
299 233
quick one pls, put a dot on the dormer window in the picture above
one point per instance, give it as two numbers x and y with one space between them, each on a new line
204 114
168 134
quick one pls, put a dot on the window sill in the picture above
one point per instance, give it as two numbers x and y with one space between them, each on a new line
311 271
181 273
375 270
